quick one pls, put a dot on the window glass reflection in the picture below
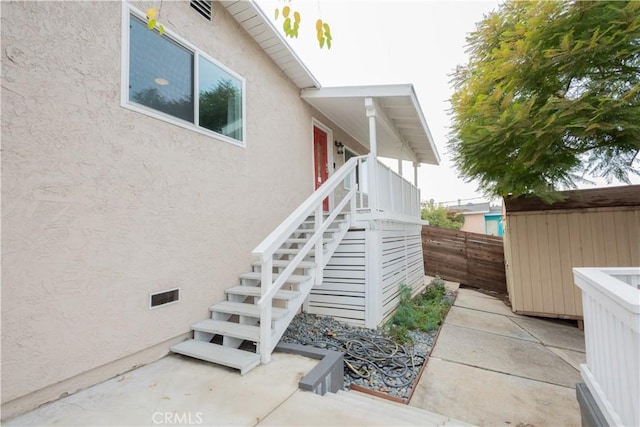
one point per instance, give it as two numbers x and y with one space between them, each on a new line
160 72
220 100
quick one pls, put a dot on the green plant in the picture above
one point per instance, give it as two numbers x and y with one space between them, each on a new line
423 313
399 333
435 291
441 216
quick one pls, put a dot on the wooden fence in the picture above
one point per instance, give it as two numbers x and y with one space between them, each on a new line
471 259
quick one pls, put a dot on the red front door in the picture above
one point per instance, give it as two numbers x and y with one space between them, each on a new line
321 161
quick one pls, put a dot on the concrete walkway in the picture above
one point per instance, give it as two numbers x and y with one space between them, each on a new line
493 367
180 391
488 367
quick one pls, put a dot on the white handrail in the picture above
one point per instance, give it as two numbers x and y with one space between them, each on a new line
381 197
282 277
278 236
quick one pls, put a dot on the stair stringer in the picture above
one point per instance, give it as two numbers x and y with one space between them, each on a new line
305 288
338 236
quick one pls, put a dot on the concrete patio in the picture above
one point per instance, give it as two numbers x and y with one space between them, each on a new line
488 367
177 390
493 367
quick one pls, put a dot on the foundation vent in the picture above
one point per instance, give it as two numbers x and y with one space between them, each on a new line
164 298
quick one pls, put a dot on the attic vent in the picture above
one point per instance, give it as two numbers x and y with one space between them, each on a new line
163 298
203 7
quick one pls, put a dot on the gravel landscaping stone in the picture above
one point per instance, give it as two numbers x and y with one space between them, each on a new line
372 359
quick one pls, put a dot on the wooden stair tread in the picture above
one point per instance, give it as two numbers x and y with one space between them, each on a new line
291 241
294 278
227 356
242 309
245 328
254 291
285 263
222 327
292 251
311 219
311 231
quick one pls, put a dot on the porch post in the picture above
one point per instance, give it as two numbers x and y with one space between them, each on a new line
400 160
416 165
371 113
372 163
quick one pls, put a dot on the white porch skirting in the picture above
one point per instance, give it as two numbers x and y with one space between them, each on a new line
362 280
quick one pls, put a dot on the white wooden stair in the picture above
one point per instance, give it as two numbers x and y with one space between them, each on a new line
227 356
294 278
254 291
284 263
289 251
242 309
301 240
221 327
237 319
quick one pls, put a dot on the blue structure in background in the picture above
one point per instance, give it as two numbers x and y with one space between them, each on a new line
493 224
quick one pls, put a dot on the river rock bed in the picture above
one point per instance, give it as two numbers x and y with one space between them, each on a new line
385 366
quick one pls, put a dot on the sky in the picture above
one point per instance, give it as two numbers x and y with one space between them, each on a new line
395 42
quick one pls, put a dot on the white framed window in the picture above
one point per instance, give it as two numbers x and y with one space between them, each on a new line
166 77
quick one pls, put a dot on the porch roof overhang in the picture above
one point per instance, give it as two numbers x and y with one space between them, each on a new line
402 131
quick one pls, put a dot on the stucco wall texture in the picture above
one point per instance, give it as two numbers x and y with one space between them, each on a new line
102 206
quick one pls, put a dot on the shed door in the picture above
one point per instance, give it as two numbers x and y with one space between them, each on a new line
320 161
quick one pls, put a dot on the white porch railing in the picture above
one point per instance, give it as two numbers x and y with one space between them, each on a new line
611 305
380 194
384 193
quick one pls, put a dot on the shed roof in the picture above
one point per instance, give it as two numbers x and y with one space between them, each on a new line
625 195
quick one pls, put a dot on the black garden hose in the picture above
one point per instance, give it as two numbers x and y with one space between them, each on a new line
365 354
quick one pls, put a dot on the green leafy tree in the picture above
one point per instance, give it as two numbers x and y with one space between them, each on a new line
151 97
441 216
550 95
215 104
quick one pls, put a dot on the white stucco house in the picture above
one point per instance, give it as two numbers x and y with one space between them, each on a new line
161 191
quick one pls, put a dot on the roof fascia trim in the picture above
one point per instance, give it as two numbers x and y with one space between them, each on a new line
358 91
423 121
273 29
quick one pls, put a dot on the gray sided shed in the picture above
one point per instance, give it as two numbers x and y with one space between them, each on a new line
542 243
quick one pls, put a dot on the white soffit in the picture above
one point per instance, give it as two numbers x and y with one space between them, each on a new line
254 21
400 121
